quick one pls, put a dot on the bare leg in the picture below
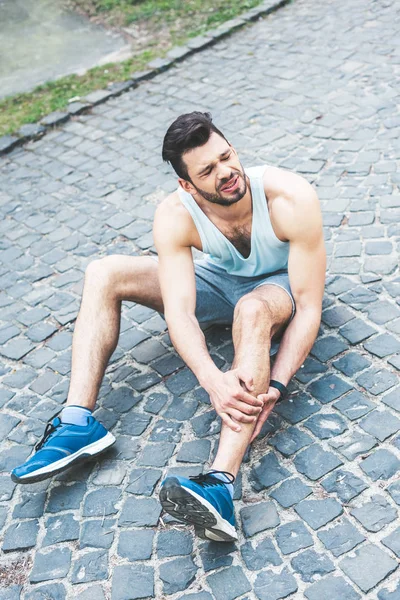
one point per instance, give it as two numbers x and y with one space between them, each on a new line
108 281
258 317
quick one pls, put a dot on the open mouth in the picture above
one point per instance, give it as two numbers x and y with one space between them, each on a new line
232 185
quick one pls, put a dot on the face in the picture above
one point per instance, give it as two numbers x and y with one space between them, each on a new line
215 171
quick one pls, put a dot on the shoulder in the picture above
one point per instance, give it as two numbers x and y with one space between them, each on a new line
172 222
293 203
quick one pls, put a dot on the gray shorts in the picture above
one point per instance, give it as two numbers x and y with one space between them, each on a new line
217 293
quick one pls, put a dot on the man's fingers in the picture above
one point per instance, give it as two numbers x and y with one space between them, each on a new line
246 408
230 422
249 399
241 417
246 378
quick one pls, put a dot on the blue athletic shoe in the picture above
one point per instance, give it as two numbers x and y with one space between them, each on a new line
203 501
62 445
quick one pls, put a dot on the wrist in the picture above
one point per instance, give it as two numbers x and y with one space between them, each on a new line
279 388
209 378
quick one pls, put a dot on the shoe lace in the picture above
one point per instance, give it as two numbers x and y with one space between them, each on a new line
208 479
50 429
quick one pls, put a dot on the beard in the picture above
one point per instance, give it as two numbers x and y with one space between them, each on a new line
226 198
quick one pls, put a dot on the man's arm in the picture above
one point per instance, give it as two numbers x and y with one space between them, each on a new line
306 267
178 290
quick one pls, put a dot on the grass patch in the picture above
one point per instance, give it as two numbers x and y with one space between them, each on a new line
160 24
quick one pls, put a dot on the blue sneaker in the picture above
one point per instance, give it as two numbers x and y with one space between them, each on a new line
203 501
62 445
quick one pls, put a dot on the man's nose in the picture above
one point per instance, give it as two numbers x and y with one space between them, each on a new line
224 172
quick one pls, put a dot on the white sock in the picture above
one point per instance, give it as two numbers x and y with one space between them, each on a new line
75 415
225 480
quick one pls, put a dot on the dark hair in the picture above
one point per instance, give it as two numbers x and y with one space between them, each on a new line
187 132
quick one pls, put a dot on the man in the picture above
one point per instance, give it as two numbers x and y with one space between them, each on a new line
259 229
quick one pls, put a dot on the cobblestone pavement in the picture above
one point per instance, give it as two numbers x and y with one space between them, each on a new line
313 88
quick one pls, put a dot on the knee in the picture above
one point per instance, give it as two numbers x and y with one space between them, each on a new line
102 272
253 308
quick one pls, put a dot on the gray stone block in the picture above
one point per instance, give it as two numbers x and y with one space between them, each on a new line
312 566
140 512
354 444
266 472
196 451
229 583
136 544
174 543
387 594
62 528
341 538
344 484
291 492
290 441
206 424
326 348
143 481
97 534
381 424
181 409
258 517
368 567
166 431
331 587
177 574
53 591
376 514
292 537
376 380
314 462
297 408
30 505
258 556
328 388
318 512
383 345
273 586
54 564
92 566
101 502
351 363
394 491
20 536
326 425
354 405
382 464
392 541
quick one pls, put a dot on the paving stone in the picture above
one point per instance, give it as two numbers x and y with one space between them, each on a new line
260 555
356 331
136 544
381 312
381 424
62 528
97 534
206 424
376 381
341 538
310 369
368 567
395 361
266 472
337 316
383 345
110 473
291 492
290 441
203 596
394 491
13 456
92 566
314 462
381 464
121 400
140 383
351 363
387 594
354 444
156 455
131 582
196 451
358 297
30 505
328 388
140 512
354 405
318 512
273 586
326 348
166 431
392 541
181 382
174 543
168 364
229 583
177 574
376 514
344 484
331 587
143 481
258 517
19 378
292 537
53 564
101 502
134 423
297 408
7 424
326 425
20 536
16 348
181 409
311 566
155 403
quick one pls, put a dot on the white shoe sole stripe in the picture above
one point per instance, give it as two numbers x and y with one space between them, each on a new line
92 449
221 524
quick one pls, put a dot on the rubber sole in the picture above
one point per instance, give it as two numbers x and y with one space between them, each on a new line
65 463
187 506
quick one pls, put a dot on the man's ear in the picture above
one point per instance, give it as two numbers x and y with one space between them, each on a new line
186 185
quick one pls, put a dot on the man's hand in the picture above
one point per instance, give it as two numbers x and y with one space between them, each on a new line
269 400
231 401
